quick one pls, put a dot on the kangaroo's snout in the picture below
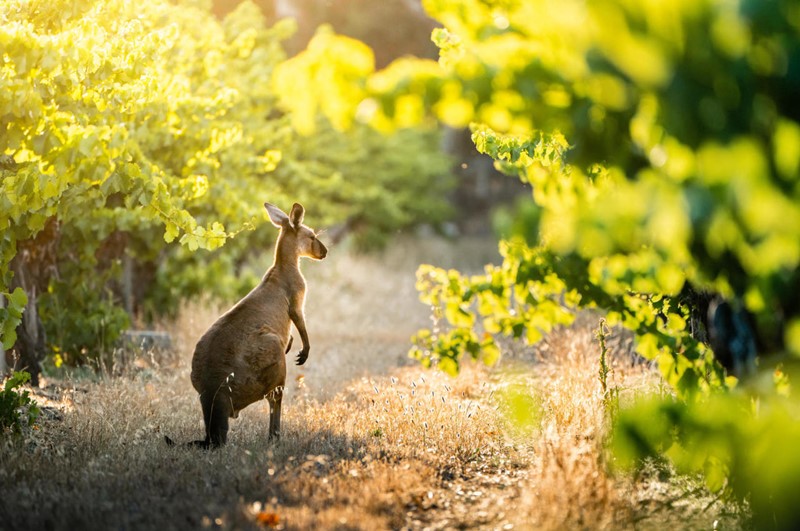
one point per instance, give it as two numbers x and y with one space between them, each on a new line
318 250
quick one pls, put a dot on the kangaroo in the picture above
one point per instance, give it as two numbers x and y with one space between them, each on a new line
241 358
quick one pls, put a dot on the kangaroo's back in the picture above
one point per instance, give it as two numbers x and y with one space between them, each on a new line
220 350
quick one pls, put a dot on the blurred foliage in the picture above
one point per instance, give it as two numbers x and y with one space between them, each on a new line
141 126
89 335
17 408
743 447
391 28
662 143
332 61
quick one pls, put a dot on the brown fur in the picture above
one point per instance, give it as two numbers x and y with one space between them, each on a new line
241 358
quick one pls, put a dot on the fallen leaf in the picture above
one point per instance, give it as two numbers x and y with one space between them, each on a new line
267 518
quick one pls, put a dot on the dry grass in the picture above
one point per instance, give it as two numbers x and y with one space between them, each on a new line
369 441
570 484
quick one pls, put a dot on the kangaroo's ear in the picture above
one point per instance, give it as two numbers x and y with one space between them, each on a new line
277 216
296 215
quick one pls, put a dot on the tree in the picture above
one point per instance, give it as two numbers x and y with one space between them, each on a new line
130 129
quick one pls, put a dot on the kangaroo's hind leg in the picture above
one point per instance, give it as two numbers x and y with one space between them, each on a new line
218 421
216 410
274 398
272 377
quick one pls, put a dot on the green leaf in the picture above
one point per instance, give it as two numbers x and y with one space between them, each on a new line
490 352
12 316
449 366
171 232
458 316
18 298
716 474
9 333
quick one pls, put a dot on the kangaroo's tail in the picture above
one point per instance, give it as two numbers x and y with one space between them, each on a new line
204 444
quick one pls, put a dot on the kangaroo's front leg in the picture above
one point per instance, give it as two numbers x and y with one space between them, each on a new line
300 323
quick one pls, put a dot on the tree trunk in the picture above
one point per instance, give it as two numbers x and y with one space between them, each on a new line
30 346
3 364
32 267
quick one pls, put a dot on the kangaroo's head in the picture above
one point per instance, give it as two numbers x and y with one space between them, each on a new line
301 238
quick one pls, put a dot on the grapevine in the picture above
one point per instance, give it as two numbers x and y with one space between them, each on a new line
152 134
